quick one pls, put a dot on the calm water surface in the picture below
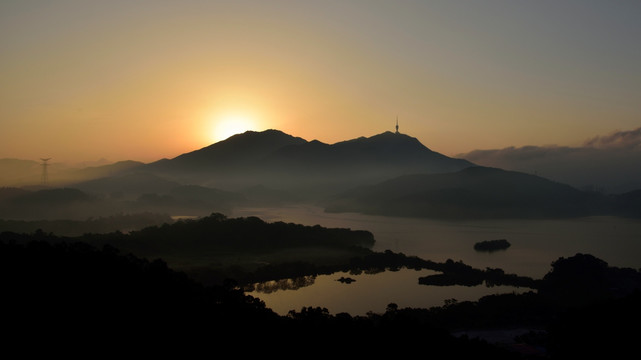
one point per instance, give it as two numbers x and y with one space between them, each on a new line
535 244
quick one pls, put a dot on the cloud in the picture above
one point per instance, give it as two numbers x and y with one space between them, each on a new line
620 139
610 162
525 153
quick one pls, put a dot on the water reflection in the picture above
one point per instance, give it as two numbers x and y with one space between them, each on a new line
369 292
271 286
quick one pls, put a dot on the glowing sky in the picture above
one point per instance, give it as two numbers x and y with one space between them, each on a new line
142 80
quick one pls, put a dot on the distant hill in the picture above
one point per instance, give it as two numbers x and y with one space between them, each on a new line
156 194
135 193
627 204
280 161
7 193
475 192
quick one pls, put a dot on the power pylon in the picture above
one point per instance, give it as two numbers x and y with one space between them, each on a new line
45 175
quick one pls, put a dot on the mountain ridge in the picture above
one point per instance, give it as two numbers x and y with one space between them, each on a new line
385 174
275 159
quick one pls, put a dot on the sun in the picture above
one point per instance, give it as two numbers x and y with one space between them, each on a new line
231 124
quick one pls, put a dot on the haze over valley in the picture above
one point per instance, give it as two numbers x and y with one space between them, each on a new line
389 174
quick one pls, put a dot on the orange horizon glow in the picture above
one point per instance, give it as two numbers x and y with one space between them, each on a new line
121 81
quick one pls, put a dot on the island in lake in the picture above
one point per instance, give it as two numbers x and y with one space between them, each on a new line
492 245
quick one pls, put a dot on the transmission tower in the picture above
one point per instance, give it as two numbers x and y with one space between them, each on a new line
45 176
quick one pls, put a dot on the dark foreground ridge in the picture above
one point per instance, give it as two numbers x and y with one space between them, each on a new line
73 293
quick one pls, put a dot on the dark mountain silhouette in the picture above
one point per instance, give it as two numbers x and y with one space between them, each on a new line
362 160
7 193
627 204
131 193
268 167
282 162
141 191
190 199
53 197
235 153
389 174
475 192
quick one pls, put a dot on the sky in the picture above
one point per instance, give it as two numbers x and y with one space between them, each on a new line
82 80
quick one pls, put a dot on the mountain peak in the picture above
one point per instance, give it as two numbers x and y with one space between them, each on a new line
250 142
386 142
265 136
394 136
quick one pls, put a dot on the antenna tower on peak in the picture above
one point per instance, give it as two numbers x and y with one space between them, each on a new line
397 124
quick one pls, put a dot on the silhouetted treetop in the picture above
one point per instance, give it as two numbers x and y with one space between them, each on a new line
217 233
584 278
250 234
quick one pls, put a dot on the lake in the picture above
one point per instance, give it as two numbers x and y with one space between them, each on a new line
535 244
